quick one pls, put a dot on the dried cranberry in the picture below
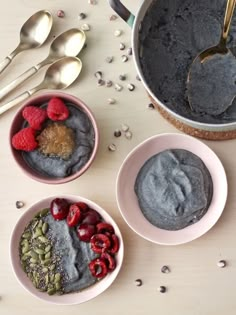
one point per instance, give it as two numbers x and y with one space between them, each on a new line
98 268
100 243
110 261
74 216
59 208
105 228
86 231
91 217
115 245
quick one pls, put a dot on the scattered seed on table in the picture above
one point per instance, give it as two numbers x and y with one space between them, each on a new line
117 133
85 27
151 106
165 269
82 16
117 33
162 289
112 147
19 204
130 51
111 101
98 74
124 127
101 82
122 46
109 59
138 282
221 264
131 87
124 58
128 135
122 77
113 17
118 87
138 77
60 13
109 83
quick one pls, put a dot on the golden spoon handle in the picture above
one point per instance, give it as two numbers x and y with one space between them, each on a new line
19 99
227 20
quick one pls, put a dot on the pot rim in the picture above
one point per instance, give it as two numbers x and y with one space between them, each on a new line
196 124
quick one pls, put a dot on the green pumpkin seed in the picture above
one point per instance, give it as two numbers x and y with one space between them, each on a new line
51 291
24 242
43 212
33 260
47 248
41 257
46 262
43 239
26 235
39 251
25 249
52 267
48 255
45 269
25 256
35 224
57 286
23 265
40 224
33 265
52 277
45 228
34 255
38 231
57 277
46 279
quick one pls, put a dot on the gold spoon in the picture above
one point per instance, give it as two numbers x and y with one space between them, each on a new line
33 34
68 43
59 75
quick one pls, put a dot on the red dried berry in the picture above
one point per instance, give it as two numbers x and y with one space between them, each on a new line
100 243
57 110
25 140
35 116
98 268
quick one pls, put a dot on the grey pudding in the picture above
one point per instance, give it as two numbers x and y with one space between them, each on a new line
84 136
174 189
74 256
173 33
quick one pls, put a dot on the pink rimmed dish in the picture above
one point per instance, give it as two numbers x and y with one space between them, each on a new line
70 298
128 203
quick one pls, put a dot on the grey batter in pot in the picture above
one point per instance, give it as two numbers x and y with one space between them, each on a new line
174 189
173 33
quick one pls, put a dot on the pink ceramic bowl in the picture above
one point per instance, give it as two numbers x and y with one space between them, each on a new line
17 125
72 298
128 203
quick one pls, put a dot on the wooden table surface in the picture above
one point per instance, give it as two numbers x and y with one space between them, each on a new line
196 286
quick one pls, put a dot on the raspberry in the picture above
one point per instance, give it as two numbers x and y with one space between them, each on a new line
35 116
25 140
57 109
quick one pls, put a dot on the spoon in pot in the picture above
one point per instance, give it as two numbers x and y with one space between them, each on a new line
33 34
66 44
210 74
59 75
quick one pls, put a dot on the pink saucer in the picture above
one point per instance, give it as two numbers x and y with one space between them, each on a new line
127 200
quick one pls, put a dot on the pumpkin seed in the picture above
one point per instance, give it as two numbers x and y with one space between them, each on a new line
33 265
26 235
25 248
46 279
25 256
57 277
52 277
48 255
33 260
39 251
40 223
24 242
51 291
43 212
45 269
46 262
41 257
38 231
34 255
57 286
43 239
47 248
35 224
52 267
45 228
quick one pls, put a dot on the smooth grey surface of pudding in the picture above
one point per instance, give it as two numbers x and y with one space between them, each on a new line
173 33
74 254
174 189
57 167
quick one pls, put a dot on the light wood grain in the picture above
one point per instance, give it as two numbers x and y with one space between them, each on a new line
196 286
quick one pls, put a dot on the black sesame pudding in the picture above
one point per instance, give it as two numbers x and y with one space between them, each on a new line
174 189
54 138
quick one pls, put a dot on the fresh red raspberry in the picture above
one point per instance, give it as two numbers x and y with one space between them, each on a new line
35 116
57 110
25 140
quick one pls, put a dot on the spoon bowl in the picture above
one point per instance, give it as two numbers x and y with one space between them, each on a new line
59 75
33 34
